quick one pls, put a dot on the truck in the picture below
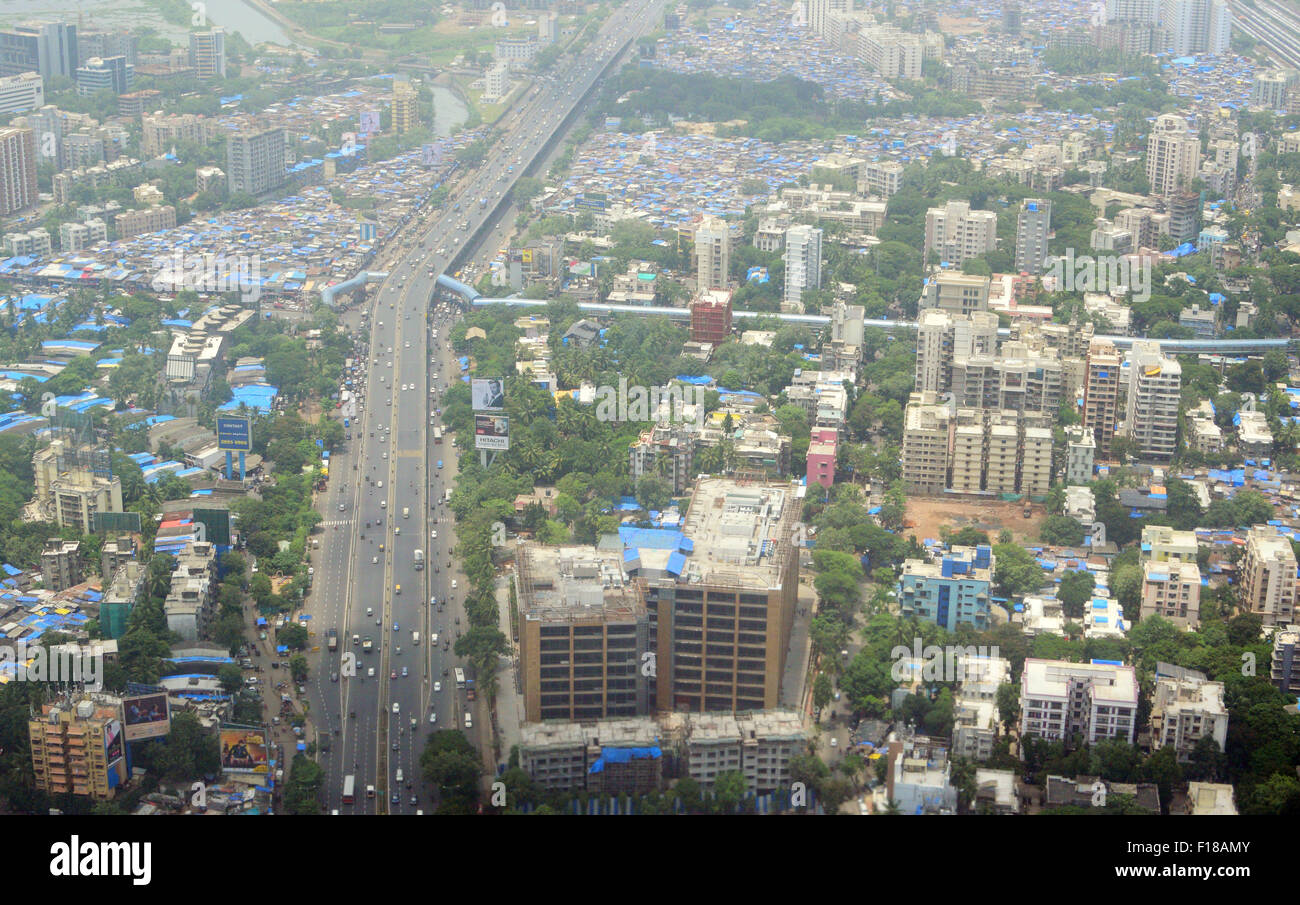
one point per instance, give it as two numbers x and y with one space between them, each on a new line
332 638
349 788
419 560
367 645
437 434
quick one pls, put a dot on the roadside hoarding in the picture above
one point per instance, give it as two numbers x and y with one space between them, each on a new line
146 717
243 751
491 432
487 394
234 435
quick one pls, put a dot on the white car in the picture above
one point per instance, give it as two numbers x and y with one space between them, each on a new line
396 708
453 584
434 534
390 364
408 345
435 375
437 686
371 672
433 718
385 454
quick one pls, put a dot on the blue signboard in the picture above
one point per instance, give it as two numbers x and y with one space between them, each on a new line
234 435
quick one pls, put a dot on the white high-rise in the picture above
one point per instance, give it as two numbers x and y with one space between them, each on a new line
958 233
1173 155
712 254
1033 225
1197 26
1154 391
803 261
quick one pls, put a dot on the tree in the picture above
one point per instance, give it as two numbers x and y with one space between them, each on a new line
729 790
1075 592
302 791
1062 531
821 692
1016 571
450 763
1008 701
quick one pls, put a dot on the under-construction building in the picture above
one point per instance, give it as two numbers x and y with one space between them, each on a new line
74 475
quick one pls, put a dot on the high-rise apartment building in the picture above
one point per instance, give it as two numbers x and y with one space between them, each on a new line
208 53
255 161
20 93
944 337
78 748
721 602
927 430
582 628
1101 394
18 189
1154 392
1268 576
712 254
957 233
1173 155
405 110
803 262
1197 26
1087 702
1033 225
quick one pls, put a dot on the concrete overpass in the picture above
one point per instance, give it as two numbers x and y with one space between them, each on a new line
1224 345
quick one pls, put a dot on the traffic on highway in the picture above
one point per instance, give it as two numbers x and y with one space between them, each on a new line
394 670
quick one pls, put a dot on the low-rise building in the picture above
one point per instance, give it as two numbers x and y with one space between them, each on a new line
951 592
1172 590
1061 701
1185 709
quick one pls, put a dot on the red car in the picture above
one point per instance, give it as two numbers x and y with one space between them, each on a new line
394 675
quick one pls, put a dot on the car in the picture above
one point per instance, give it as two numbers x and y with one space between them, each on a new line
453 584
388 401
394 675
408 345
437 687
397 799
835 742
434 533
433 717
390 364
370 673
374 560
414 800
370 611
396 707
404 672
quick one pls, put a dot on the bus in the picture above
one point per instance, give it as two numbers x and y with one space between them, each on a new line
460 677
437 434
349 789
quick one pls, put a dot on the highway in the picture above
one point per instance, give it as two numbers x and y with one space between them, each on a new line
367 547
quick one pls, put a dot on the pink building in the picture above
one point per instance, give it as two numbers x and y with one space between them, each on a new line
821 456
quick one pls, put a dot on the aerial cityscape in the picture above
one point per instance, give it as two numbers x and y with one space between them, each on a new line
643 407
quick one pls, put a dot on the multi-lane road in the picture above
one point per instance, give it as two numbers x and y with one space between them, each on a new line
386 489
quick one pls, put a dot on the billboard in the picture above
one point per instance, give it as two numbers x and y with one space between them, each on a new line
112 742
234 435
491 432
146 717
243 751
431 155
369 122
487 394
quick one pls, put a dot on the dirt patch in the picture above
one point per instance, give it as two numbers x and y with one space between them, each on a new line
926 515
952 25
